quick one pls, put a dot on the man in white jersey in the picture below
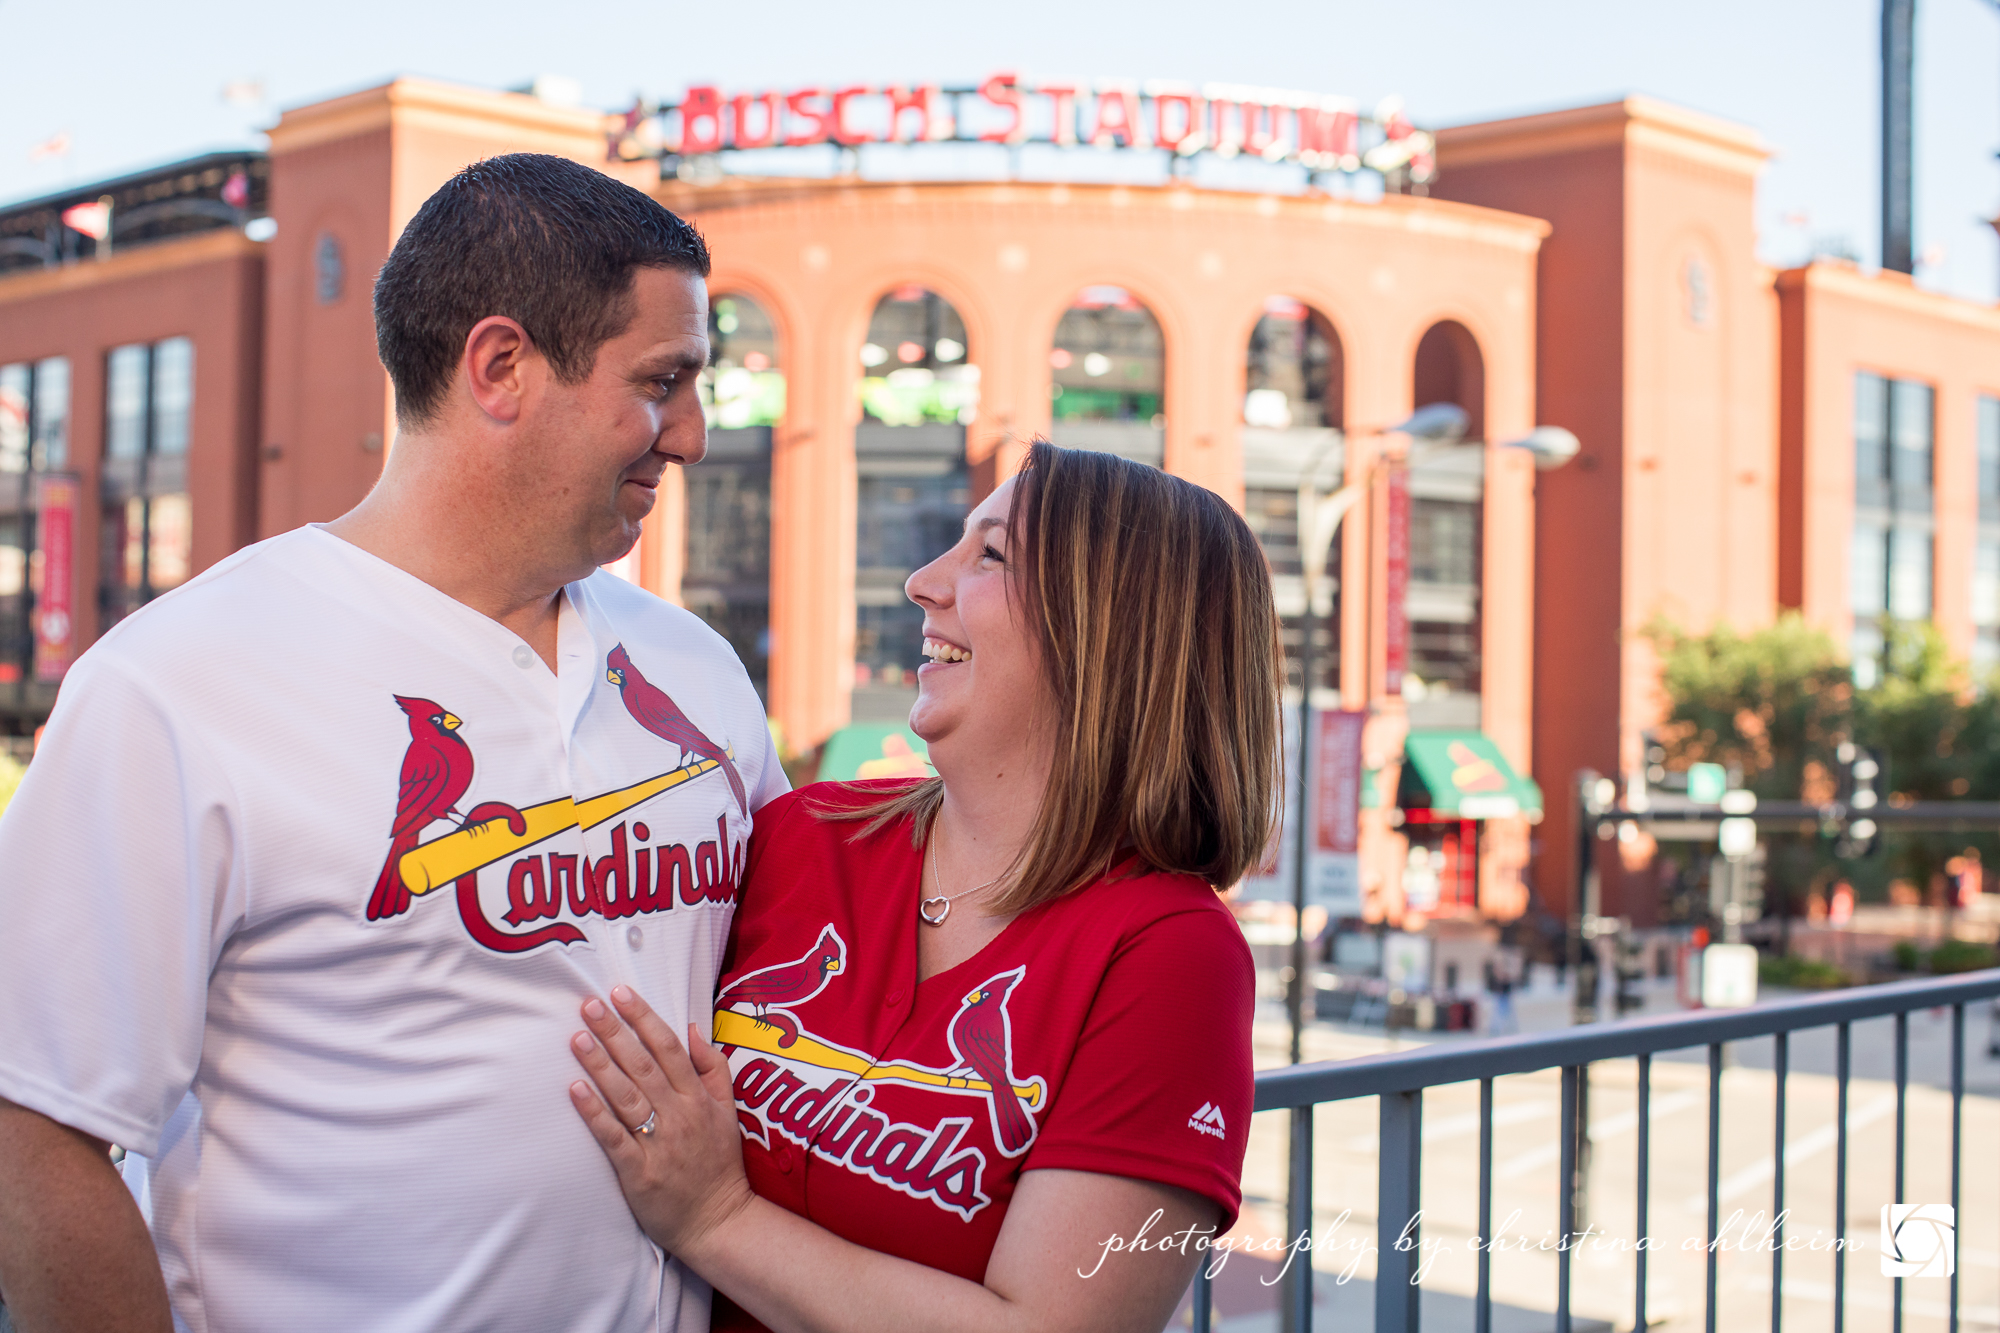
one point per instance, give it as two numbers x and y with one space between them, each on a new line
321 851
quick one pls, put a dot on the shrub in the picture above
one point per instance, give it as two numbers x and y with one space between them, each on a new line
1961 956
1800 973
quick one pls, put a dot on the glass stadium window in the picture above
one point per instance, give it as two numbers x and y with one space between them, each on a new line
1447 503
148 519
1892 540
1292 412
1110 374
919 390
34 439
726 574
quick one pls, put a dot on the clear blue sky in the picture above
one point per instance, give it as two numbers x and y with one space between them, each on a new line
136 83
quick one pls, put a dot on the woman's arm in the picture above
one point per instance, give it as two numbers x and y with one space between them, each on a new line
1054 1267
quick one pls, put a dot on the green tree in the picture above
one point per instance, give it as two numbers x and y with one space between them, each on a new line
1775 704
1940 740
1771 704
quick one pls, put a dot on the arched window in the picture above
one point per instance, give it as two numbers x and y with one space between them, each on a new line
1110 374
1292 413
1446 533
726 579
919 390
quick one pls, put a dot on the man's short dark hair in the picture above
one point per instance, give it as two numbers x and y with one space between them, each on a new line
543 240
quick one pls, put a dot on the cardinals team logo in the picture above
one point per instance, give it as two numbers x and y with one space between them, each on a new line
436 773
982 1037
788 984
820 1094
652 709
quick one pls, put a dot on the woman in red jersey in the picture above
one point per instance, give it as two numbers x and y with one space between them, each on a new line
980 1034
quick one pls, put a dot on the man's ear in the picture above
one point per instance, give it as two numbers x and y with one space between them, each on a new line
496 355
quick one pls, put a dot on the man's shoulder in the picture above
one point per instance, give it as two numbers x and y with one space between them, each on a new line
217 605
658 623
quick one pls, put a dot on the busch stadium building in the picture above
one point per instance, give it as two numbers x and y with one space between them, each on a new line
1248 288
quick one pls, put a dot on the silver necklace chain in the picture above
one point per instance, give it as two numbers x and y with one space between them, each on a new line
943 903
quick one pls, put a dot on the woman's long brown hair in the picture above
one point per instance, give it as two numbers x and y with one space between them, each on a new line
1151 601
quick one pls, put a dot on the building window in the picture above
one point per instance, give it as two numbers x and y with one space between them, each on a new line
1292 411
1989 459
1890 567
726 577
148 520
34 439
1447 500
1986 606
919 391
1108 365
1986 550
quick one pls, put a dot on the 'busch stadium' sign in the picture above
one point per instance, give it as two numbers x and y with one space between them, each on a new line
1319 133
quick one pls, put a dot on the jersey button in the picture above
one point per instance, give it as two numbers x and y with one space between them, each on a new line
524 656
635 937
892 999
785 1160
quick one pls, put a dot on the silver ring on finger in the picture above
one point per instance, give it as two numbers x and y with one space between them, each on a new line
652 1123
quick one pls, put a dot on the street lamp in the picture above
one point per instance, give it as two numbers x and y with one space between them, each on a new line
1430 429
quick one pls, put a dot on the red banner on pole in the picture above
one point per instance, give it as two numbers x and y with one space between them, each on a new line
56 496
1337 783
1396 584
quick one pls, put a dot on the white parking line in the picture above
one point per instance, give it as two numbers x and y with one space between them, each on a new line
1451 1126
1806 1145
1986 1316
1600 1129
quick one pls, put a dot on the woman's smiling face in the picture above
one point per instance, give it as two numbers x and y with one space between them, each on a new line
983 691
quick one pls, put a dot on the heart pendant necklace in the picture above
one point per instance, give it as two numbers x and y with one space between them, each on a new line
940 902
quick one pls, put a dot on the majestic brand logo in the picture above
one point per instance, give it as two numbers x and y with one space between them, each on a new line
1208 1120
818 1093
436 774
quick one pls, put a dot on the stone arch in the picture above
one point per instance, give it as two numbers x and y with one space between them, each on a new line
1108 381
1450 368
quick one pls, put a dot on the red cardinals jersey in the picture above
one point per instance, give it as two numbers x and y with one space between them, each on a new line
1106 1031
302 893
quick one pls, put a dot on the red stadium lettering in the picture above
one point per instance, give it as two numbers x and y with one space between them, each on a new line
701 120
819 124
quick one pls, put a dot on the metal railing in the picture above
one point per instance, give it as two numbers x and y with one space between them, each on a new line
1400 1078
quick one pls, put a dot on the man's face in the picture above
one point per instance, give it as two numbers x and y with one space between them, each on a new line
601 446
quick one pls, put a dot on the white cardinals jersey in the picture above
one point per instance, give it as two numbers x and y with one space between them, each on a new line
303 891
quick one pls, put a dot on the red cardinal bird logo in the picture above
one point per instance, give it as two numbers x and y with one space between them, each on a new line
982 1043
652 709
437 768
788 984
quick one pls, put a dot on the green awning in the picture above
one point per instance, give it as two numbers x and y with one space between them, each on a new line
873 750
1463 775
